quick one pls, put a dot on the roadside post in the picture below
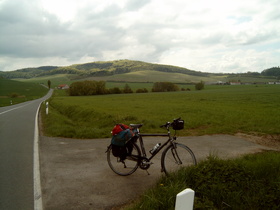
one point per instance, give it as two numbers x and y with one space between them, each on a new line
47 108
184 200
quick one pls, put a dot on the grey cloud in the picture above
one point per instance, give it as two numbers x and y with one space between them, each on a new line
134 5
27 31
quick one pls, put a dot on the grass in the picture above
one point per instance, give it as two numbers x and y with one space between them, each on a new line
14 92
56 80
217 109
249 182
156 76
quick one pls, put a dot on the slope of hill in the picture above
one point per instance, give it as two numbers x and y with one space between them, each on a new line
26 72
98 68
13 92
135 71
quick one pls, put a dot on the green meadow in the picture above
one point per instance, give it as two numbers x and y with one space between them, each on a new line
248 109
14 92
56 80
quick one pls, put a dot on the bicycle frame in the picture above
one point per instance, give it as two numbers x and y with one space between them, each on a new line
142 147
174 155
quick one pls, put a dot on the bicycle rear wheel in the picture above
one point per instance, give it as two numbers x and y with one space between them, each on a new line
176 156
127 166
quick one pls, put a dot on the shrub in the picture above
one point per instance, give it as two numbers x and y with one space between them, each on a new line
199 86
14 95
115 90
144 90
164 87
86 88
127 89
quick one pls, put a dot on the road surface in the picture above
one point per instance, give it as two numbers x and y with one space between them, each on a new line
75 173
17 125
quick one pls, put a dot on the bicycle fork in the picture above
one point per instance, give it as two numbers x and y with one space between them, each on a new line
175 155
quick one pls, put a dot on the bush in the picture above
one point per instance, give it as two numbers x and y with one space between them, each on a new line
144 90
86 88
115 90
199 86
164 87
14 95
127 89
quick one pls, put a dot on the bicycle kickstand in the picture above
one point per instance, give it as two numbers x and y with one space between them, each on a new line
147 172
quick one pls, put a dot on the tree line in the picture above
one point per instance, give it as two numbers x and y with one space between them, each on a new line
87 88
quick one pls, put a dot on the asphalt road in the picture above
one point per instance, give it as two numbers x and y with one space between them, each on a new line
17 123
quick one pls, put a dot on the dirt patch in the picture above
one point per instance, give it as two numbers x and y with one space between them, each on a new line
272 141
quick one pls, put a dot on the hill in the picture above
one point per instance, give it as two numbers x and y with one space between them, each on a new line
13 92
98 68
137 71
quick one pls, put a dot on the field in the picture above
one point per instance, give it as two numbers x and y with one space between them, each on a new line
55 80
17 92
156 76
247 109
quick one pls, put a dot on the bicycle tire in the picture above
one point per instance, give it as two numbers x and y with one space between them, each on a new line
170 162
127 166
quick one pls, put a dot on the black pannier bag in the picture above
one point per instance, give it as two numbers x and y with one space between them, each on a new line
122 151
178 124
119 151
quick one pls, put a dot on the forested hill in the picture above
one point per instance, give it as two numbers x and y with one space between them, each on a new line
108 68
100 68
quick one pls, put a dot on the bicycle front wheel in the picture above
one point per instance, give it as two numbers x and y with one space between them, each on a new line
176 156
124 167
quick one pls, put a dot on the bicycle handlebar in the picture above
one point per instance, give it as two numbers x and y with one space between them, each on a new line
168 124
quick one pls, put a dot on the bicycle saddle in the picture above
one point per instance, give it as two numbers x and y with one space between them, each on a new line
136 125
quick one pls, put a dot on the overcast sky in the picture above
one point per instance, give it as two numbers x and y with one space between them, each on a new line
204 35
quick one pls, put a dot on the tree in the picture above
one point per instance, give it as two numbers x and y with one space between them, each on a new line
115 90
199 86
274 71
127 89
49 84
164 87
86 88
144 90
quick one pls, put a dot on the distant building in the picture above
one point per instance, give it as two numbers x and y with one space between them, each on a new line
274 83
220 83
63 87
235 83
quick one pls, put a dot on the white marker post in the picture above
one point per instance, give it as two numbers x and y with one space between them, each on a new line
47 108
184 200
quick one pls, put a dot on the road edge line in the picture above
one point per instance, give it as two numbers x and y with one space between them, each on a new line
38 201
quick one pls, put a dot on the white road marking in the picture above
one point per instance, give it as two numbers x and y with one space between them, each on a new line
14 108
38 202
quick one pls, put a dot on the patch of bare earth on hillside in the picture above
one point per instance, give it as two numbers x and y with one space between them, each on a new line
272 141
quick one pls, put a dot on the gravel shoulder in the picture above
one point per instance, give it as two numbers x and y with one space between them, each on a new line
75 173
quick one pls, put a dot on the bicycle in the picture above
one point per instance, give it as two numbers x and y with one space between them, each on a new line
174 156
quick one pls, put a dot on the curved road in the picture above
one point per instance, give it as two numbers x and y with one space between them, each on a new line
18 125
